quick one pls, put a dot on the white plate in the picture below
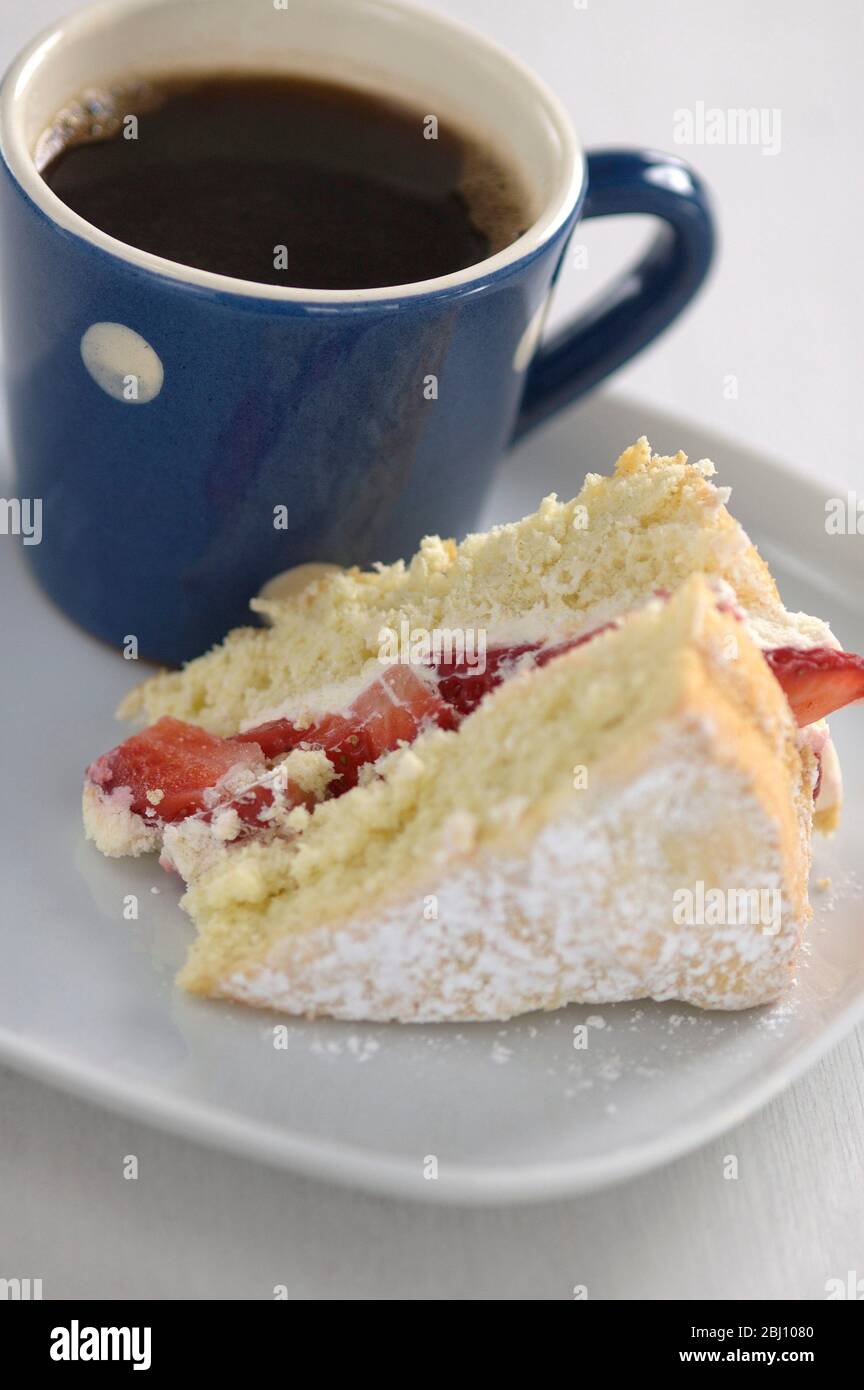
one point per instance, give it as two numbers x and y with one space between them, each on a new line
511 1112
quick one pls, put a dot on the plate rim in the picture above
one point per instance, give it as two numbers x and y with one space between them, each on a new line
349 1165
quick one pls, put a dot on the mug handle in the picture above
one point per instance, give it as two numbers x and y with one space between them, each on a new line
642 301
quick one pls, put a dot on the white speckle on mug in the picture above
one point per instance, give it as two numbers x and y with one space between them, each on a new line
122 363
527 344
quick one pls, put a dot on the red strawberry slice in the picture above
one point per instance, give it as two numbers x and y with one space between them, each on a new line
395 708
249 805
463 686
275 737
392 710
177 759
817 681
348 746
253 804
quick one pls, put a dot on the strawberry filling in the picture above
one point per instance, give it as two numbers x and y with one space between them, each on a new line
254 803
817 681
463 687
392 710
169 767
172 770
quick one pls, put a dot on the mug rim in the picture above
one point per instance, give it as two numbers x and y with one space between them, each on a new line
559 207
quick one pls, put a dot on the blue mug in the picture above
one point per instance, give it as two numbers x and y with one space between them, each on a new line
190 435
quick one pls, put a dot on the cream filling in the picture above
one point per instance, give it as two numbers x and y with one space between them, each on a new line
334 698
766 630
831 790
192 844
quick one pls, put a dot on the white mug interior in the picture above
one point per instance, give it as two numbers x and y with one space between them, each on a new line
386 46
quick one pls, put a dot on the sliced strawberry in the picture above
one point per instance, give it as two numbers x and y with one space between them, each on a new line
274 738
463 686
391 710
177 759
817 681
349 747
395 708
253 804
249 804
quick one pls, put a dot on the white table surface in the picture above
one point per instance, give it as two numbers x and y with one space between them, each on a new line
779 316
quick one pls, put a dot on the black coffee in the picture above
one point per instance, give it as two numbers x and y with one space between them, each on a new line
282 180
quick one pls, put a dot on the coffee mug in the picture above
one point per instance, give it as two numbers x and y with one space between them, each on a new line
189 435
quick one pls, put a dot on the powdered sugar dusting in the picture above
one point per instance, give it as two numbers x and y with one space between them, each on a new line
586 916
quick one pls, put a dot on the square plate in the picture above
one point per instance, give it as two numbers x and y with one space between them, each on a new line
511 1112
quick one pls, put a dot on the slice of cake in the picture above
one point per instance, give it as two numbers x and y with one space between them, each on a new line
573 759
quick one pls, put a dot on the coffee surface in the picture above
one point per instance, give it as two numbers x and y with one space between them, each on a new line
283 180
